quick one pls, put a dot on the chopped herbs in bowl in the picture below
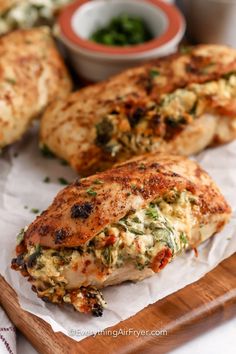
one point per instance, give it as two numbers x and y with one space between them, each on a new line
107 37
123 30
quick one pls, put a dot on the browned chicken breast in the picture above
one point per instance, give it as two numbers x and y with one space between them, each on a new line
123 224
32 74
182 104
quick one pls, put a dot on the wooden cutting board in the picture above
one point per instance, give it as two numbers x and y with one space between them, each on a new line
184 314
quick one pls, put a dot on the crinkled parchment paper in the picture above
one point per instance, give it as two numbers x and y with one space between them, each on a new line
22 188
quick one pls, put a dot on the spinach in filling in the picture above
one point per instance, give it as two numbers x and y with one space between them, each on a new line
151 124
138 237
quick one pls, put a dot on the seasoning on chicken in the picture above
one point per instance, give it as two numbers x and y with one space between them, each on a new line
179 104
124 224
32 74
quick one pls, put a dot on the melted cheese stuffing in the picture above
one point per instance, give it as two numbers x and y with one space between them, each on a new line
193 99
136 239
176 110
27 14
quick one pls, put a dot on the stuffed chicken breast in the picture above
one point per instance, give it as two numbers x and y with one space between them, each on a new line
16 14
123 224
32 74
182 104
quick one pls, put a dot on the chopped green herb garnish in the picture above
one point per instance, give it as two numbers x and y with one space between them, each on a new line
20 236
46 152
154 73
133 186
34 210
46 179
97 181
183 238
123 30
152 212
63 181
91 192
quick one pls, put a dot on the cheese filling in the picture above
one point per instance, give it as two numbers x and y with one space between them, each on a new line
27 14
144 241
146 127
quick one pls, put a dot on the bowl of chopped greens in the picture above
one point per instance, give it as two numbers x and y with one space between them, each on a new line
122 31
104 37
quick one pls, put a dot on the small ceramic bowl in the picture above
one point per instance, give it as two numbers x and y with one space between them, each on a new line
96 62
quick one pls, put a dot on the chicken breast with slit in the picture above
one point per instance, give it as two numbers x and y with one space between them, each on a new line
123 224
180 104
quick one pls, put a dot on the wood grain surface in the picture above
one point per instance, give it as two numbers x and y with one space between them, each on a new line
184 314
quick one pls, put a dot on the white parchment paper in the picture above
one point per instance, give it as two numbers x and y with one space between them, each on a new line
22 188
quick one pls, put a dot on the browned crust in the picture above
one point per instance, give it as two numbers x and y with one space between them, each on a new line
7 4
145 178
179 69
31 58
133 89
